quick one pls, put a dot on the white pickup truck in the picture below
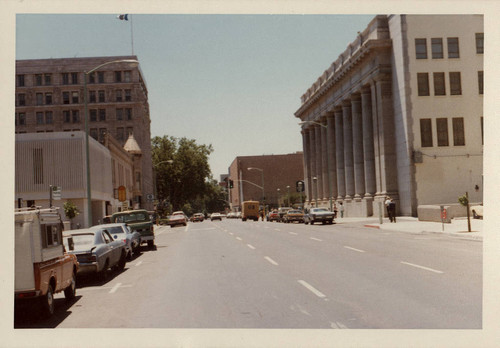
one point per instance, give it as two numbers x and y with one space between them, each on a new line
42 266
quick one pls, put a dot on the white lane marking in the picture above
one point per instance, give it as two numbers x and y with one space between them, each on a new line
203 229
102 288
422 267
319 240
277 229
238 238
138 263
187 227
293 233
251 246
337 325
231 233
115 288
271 260
350 248
311 289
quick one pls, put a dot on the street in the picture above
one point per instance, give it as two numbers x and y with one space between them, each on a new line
234 274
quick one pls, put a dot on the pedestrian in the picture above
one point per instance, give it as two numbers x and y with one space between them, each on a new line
335 210
388 207
341 209
392 208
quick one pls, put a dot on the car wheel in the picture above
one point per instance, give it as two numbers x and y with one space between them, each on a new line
70 291
151 244
48 302
121 263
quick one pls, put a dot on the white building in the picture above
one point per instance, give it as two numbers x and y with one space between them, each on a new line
399 113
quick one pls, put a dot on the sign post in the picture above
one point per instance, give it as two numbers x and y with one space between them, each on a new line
443 216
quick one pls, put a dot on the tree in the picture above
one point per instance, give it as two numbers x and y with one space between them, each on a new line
70 210
464 200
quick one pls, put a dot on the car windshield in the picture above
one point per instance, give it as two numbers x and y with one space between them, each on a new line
131 217
319 210
294 212
115 230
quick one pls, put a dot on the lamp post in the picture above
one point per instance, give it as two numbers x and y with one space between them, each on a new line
279 203
87 152
288 189
263 194
327 163
315 179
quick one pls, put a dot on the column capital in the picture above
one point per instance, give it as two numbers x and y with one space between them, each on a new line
366 89
346 103
356 97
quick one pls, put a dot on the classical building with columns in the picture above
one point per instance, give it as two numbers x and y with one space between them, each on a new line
399 114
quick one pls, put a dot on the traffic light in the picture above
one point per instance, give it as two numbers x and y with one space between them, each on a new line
230 183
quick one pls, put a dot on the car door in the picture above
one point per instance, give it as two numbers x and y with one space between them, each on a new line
108 246
114 245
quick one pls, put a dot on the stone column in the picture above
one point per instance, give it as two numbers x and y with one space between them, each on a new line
339 151
332 156
319 170
368 151
324 161
312 161
348 155
357 139
376 139
307 163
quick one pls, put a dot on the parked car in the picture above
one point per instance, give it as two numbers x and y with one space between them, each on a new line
177 218
294 215
273 216
231 215
215 216
96 250
318 215
123 232
42 267
198 217
139 221
282 211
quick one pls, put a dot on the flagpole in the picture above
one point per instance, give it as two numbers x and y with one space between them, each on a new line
132 34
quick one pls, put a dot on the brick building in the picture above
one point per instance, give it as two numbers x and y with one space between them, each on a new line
272 172
399 113
50 98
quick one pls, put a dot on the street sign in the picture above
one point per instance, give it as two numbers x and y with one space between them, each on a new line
122 193
56 193
150 197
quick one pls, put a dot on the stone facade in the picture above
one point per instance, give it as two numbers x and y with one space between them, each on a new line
50 98
363 119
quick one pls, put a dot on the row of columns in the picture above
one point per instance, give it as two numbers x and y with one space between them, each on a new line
349 152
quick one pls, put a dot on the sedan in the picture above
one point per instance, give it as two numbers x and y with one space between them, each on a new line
177 218
318 215
95 250
123 232
198 217
273 216
293 215
216 216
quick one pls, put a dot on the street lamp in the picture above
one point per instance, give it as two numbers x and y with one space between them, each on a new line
327 163
279 203
263 194
315 180
87 152
288 189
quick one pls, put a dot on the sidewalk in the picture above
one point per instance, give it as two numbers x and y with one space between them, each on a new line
457 227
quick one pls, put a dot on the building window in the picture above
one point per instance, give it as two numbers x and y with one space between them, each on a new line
22 119
442 131
48 98
458 131
129 114
480 43
48 79
102 114
101 97
453 49
75 116
127 76
437 48
66 116
38 166
120 134
480 81
38 79
21 99
92 97
102 134
128 95
39 118
65 79
119 96
74 97
65 96
118 76
421 48
100 76
426 132
119 114
439 86
48 117
20 80
423 84
93 133
482 131
92 77
455 83
130 131
74 78
93 115
39 99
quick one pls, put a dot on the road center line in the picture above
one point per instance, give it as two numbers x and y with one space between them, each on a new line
277 229
311 288
251 246
293 233
350 248
238 238
115 288
271 260
422 267
319 240
138 263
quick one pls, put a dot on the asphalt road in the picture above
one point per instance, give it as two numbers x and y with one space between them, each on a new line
234 274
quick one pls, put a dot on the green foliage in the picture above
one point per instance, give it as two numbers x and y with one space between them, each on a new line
70 210
463 200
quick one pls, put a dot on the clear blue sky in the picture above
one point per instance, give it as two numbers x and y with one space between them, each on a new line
233 81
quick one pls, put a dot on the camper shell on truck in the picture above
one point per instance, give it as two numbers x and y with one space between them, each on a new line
42 266
140 221
250 210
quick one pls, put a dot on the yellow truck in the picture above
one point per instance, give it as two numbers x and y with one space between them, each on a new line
250 210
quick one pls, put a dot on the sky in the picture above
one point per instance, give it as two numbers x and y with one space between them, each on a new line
232 81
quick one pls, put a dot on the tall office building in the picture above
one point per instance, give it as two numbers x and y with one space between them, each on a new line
50 98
